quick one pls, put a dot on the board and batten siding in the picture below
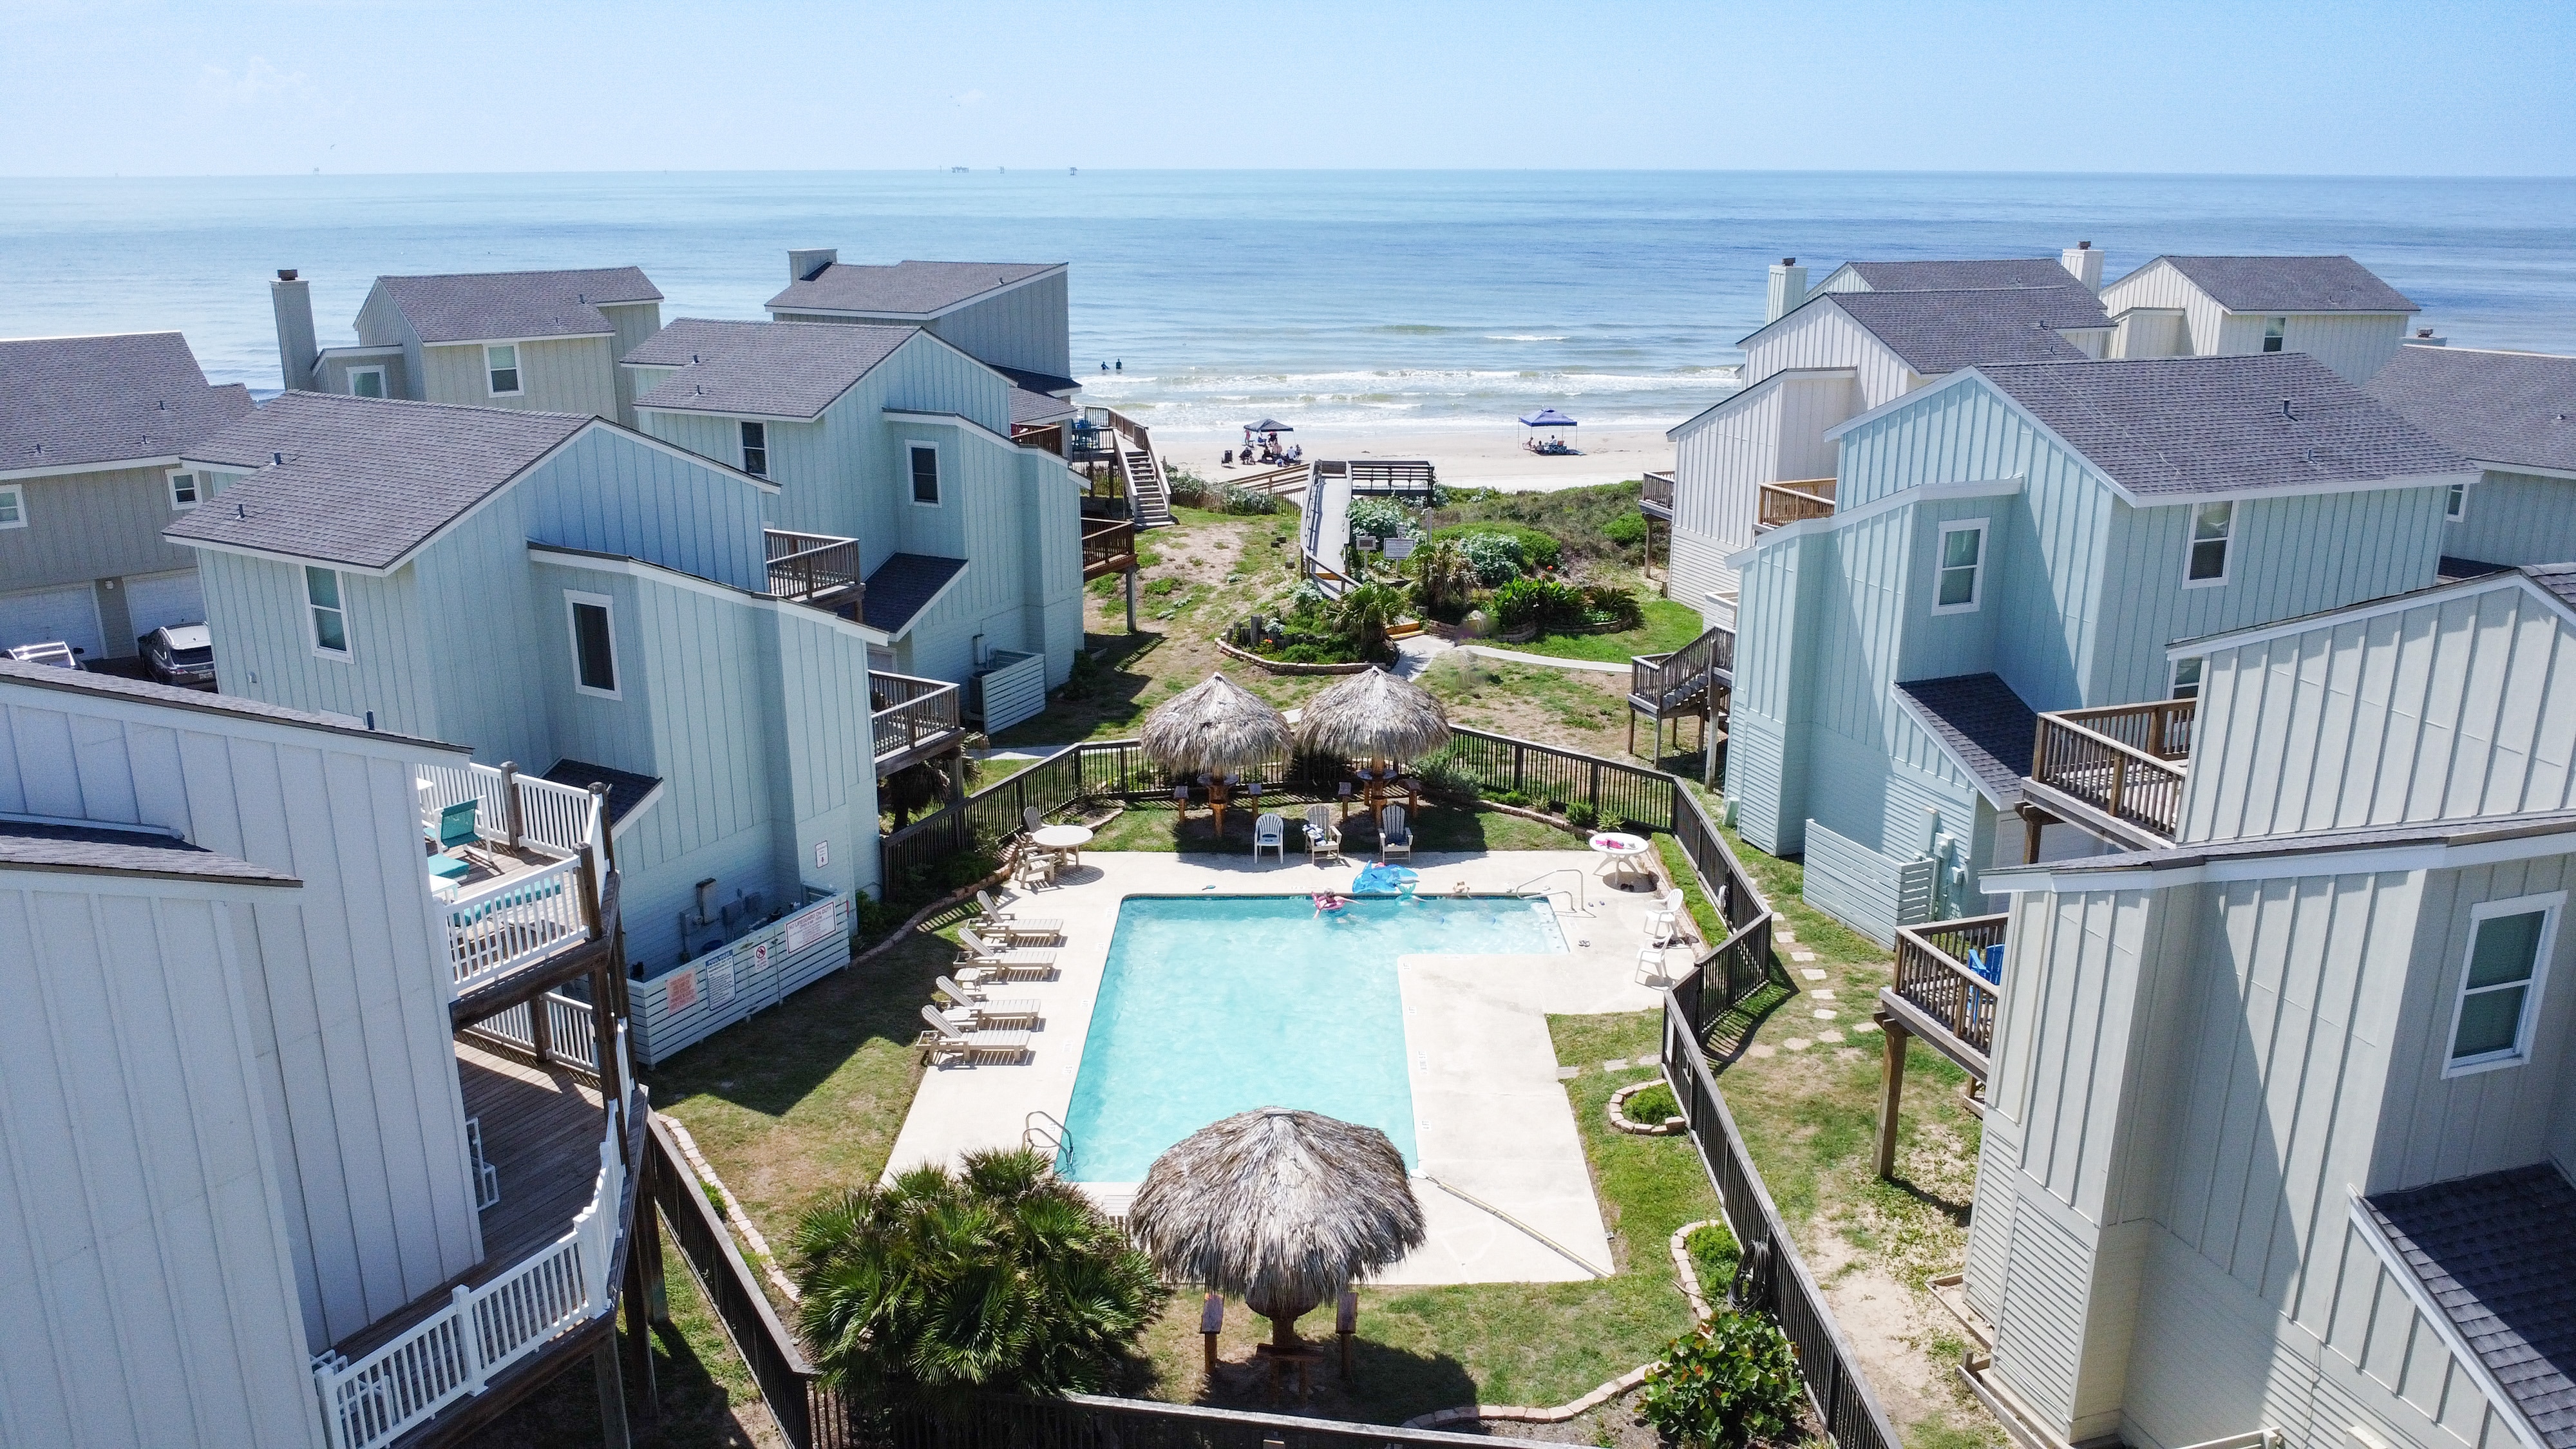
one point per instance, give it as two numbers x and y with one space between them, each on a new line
2354 344
263 640
2462 705
556 375
1027 327
1770 431
1821 335
152 1293
101 524
635 324
1015 516
2515 518
346 980
2158 284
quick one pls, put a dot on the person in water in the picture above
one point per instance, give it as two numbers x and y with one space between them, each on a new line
1327 901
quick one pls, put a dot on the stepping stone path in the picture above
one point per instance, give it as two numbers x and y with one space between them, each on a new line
1829 1036
1796 1044
1802 955
1824 1016
1812 974
1567 1074
1765 1051
1821 995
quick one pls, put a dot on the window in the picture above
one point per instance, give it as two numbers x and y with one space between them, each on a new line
183 490
2211 526
2456 506
1963 561
2273 330
594 645
370 381
2500 990
755 449
925 473
502 363
330 620
13 506
2186 678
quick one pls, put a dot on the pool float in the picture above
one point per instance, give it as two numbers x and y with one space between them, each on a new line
1380 880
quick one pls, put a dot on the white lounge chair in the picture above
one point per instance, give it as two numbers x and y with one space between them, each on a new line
1394 837
1270 832
946 1039
996 963
1321 837
1669 919
976 1002
1015 929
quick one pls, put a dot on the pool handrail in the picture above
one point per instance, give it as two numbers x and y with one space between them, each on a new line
1582 906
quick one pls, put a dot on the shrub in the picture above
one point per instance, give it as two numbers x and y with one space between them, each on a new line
1627 530
1543 602
1237 499
1713 1254
1444 780
1365 614
1652 1105
1731 1382
1496 557
1582 816
1446 579
1187 489
1160 587
1539 548
1614 605
1383 518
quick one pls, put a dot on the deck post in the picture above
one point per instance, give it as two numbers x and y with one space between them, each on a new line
1131 601
642 1290
1891 1087
510 817
599 812
541 1029
612 1396
2032 825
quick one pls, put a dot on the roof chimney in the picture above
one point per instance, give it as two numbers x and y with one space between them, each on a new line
292 299
1788 289
2085 263
804 264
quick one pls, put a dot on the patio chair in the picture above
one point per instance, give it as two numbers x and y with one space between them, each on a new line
1666 922
970 1008
1394 836
1321 836
946 1039
1650 967
1271 832
1016 930
1033 867
456 834
1001 964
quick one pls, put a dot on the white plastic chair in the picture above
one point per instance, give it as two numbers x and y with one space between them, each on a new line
1321 837
1650 967
1664 923
1271 832
1393 837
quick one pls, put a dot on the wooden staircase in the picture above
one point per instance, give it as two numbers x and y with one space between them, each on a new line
1147 499
1691 682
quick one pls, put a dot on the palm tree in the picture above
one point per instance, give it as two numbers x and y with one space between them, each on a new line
1445 575
997 1277
1366 613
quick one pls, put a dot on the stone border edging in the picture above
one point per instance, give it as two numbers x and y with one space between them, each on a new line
1620 1120
1282 666
1689 1271
733 1209
946 902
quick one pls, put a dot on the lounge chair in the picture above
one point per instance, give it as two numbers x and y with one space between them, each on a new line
1016 930
970 1008
1667 921
1321 837
1394 836
1271 832
456 835
995 963
946 1039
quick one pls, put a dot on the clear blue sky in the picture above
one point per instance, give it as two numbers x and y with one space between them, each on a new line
2454 88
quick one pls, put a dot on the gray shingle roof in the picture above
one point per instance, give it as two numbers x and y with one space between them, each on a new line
2177 427
902 587
2510 408
1029 409
1934 276
65 401
2496 1253
105 850
366 480
906 289
1982 722
472 306
1937 332
77 681
2558 579
2289 284
769 369
626 789
1045 382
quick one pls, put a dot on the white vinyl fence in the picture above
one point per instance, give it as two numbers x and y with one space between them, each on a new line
764 967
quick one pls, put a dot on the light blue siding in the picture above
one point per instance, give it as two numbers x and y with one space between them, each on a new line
2515 518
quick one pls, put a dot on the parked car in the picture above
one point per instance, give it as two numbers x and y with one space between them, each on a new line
181 654
58 654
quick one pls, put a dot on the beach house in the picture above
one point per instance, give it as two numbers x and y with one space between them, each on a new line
2019 539
540 341
2331 308
2281 1114
971 545
288 1163
578 603
2514 413
91 429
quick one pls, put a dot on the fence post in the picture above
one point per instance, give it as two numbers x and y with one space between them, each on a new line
511 818
541 1028
1596 792
469 1340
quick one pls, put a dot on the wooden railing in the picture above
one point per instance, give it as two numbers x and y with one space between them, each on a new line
810 566
2128 761
1108 547
570 1036
1936 973
1659 681
1277 480
1795 500
906 711
1656 495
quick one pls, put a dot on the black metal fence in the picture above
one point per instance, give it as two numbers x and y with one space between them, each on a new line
777 1363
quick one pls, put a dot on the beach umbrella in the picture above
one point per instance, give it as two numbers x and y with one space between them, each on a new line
1269 425
1214 727
1548 418
1373 716
1280 1208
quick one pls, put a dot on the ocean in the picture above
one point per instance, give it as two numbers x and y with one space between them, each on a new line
1372 301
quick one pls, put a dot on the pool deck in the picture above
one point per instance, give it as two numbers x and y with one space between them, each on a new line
1500 1171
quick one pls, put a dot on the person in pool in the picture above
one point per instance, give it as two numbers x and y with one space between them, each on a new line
1326 901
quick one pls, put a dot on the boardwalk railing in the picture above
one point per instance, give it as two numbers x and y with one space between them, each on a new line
1795 501
512 810
1936 974
455 1352
2128 761
811 566
1657 682
907 711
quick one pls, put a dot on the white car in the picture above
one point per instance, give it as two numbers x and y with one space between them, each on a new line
57 653
182 654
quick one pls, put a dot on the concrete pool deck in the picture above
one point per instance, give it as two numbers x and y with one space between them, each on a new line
1500 1172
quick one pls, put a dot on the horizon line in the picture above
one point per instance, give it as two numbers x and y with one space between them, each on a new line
1051 168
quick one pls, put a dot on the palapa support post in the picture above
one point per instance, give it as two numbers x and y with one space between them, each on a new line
1346 1324
1211 1323
1891 1092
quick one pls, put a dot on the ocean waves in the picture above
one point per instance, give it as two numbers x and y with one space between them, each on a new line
1408 397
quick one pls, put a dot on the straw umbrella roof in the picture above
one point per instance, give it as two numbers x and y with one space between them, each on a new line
1212 727
1278 1207
1373 716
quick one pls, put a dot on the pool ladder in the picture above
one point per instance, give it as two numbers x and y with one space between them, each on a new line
1580 906
1041 1132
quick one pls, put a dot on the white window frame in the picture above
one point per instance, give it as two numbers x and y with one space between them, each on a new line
196 489
16 496
379 374
2455 502
2226 542
2270 336
939 475
2549 904
573 601
744 445
313 614
2199 677
1976 574
518 370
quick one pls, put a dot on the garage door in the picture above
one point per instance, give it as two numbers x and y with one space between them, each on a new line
69 614
153 600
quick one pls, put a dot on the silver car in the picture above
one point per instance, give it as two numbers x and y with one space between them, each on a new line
182 654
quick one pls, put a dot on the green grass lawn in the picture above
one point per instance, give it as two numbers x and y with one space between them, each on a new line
1438 828
1668 627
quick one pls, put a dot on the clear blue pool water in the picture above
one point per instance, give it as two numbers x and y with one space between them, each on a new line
1214 1005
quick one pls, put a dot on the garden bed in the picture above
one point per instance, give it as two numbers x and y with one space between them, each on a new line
1286 667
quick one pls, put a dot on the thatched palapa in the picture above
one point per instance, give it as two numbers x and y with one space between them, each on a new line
1212 728
1373 716
1278 1207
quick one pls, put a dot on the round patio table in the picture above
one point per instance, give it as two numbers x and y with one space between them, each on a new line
1063 839
1623 852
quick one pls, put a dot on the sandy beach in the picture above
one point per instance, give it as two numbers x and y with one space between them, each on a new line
1466 457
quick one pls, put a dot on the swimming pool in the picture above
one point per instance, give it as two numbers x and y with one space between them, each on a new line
1213 1005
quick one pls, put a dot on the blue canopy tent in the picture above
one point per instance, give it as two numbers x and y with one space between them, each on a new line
1546 418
